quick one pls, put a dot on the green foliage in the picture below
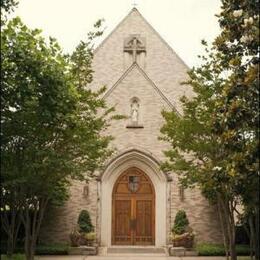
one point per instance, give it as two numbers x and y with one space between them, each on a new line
8 5
84 222
215 143
44 249
205 249
52 123
14 257
181 223
52 249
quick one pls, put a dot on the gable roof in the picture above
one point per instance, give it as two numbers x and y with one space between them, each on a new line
135 65
149 25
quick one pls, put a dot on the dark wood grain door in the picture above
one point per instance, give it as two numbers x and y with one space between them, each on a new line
144 222
123 221
133 209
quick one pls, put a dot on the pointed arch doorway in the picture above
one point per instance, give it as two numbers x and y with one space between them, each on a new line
133 209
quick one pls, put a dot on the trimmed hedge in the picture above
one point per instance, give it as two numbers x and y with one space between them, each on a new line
205 249
15 257
53 249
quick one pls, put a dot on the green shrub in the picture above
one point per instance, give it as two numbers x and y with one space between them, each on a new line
205 249
84 222
52 249
18 249
181 223
14 257
210 249
243 250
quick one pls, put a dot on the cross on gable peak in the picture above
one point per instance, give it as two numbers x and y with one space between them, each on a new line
134 4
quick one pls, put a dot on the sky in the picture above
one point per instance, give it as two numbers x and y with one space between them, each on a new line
182 23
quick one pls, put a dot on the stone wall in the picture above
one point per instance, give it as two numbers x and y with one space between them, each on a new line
60 221
202 216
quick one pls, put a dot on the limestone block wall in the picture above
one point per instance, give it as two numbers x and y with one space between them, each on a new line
60 221
151 106
203 217
162 64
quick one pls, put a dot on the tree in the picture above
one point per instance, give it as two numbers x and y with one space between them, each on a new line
52 126
8 5
215 142
238 123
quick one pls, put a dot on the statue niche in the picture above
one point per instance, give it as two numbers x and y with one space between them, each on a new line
134 114
134 50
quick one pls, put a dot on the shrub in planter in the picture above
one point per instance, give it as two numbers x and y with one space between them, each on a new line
183 240
182 234
181 223
84 222
83 234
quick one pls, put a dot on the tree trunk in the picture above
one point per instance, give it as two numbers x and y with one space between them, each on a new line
233 231
11 222
229 218
32 223
252 234
10 247
223 228
257 241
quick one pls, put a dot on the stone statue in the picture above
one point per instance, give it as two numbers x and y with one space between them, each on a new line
134 112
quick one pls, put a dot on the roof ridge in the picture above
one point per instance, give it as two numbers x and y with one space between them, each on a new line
134 9
135 64
162 39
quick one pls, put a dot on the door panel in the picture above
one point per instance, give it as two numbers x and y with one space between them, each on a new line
133 209
122 222
144 222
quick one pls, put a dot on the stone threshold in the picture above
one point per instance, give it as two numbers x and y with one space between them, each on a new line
136 250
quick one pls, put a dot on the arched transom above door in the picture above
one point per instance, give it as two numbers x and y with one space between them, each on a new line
133 217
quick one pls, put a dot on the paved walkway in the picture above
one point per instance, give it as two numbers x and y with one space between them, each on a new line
127 258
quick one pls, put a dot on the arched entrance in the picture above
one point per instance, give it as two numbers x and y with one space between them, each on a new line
116 166
133 209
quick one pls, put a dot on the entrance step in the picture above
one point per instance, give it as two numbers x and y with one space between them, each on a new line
147 251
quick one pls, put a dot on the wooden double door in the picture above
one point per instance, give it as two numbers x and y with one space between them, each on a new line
133 218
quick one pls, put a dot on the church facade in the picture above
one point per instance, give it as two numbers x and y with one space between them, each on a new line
132 201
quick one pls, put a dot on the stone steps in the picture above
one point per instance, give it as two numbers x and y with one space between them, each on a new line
134 251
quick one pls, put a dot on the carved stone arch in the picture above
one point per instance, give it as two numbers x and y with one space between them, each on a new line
146 162
135 99
134 152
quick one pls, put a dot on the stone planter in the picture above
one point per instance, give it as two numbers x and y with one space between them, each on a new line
184 240
83 250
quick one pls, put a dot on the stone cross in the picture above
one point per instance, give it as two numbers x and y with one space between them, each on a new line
134 49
